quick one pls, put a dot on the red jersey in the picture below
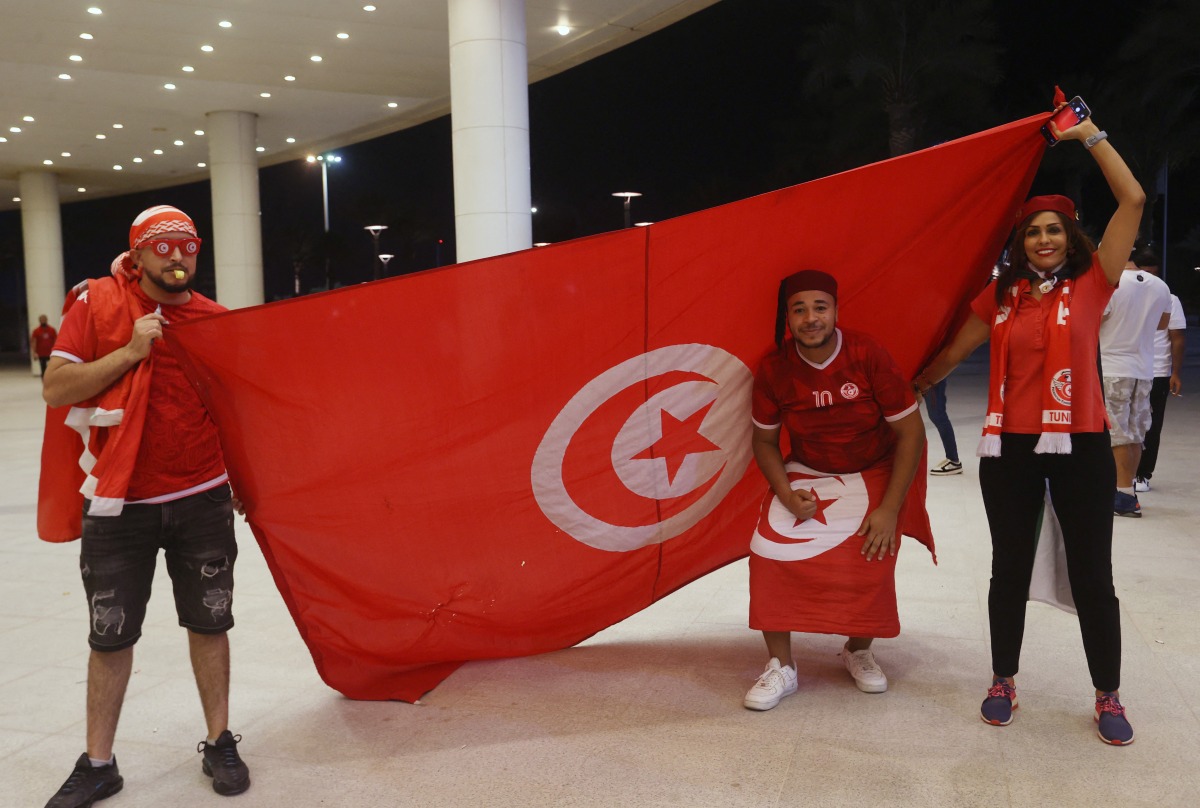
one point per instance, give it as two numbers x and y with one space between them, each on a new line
43 340
180 453
836 413
1023 384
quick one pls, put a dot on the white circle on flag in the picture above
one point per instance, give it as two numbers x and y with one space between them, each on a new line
844 503
724 390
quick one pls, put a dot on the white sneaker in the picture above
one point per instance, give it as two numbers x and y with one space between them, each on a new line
863 668
775 683
946 468
1141 485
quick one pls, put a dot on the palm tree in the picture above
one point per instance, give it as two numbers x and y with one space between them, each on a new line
926 64
1156 91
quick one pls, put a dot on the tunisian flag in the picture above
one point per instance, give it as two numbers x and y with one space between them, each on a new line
529 448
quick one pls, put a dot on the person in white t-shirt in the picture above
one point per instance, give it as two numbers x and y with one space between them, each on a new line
1140 306
1168 362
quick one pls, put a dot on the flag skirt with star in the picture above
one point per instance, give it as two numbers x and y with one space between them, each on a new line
810 575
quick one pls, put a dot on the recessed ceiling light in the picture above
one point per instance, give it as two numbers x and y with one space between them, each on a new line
179 143
392 104
260 148
168 86
137 159
225 24
315 58
28 119
343 36
118 126
14 129
158 151
3 140
66 154
201 165
368 8
264 95
187 69
563 30
65 76
81 190
199 133
101 137
75 57
16 199
291 140
206 48
94 10
118 167
85 36
289 78
47 162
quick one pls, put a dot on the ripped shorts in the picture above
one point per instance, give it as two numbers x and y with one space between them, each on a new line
118 555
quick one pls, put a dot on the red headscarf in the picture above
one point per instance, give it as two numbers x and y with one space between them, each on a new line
150 223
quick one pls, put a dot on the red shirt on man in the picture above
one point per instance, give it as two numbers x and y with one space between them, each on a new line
837 413
43 340
180 453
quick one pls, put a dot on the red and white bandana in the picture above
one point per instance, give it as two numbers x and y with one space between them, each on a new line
150 223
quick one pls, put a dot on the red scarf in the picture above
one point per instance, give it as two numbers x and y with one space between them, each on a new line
1056 372
70 447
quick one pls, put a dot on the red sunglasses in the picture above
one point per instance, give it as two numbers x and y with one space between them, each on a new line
165 246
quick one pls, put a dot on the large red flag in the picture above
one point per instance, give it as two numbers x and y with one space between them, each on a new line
530 448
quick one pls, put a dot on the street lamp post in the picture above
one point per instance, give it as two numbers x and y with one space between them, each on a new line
375 230
385 257
628 196
325 160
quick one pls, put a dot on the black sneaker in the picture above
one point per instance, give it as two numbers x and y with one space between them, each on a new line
223 764
87 784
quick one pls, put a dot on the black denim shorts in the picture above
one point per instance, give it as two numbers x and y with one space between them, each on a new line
118 555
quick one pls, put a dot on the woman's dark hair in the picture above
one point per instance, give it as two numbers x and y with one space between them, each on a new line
1079 253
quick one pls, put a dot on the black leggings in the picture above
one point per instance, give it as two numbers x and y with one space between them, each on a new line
1081 486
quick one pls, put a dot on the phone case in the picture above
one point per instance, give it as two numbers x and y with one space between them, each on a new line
1074 112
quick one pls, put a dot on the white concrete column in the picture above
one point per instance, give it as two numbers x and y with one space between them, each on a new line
237 221
489 123
41 230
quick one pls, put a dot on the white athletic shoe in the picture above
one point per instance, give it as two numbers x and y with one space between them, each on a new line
865 670
1141 485
946 468
776 682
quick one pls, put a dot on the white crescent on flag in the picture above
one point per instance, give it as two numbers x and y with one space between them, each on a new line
842 503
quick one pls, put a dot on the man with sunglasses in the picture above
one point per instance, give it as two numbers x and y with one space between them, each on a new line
155 479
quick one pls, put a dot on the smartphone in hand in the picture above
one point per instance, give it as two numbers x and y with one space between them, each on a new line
1074 112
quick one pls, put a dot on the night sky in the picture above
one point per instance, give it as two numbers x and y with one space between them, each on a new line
705 112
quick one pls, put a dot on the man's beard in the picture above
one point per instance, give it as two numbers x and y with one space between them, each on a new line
828 336
160 282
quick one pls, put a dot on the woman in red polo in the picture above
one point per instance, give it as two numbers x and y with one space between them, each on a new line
1046 424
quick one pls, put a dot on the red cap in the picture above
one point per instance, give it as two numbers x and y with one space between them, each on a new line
1054 202
809 280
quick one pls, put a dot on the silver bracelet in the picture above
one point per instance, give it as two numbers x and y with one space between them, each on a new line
1094 139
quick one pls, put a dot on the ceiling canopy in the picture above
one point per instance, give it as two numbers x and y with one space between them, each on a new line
111 95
